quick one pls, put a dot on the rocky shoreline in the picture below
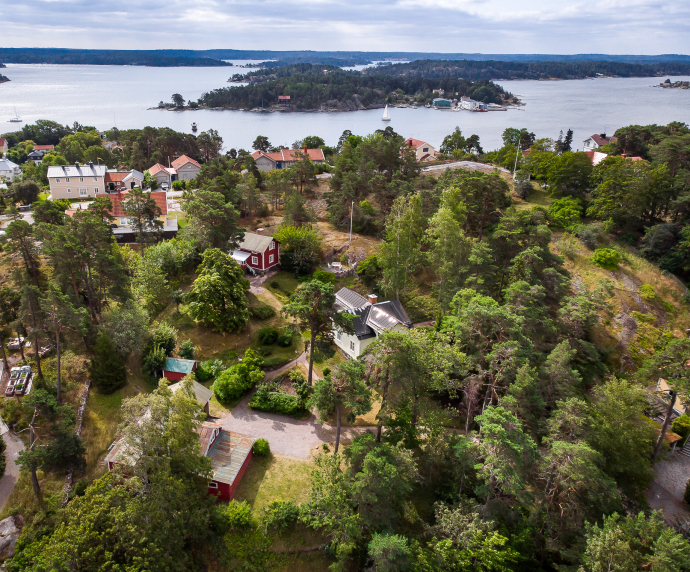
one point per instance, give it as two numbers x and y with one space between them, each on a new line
675 85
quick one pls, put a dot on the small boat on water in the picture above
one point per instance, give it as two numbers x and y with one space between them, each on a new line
194 127
16 118
386 115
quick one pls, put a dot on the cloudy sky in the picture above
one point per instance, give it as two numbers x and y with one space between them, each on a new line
487 26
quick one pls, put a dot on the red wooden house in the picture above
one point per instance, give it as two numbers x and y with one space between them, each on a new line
257 252
230 455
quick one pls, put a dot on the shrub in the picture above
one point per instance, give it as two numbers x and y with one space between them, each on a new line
275 361
277 402
261 448
268 336
568 246
285 339
178 185
238 379
566 212
681 426
280 515
344 259
274 284
606 258
647 293
265 351
164 336
186 350
324 276
300 384
209 369
590 234
262 311
235 516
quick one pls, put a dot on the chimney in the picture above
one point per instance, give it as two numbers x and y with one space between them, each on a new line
260 231
603 135
305 149
372 298
624 155
76 164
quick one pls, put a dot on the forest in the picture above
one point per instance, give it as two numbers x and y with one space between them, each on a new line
490 69
103 58
517 426
313 87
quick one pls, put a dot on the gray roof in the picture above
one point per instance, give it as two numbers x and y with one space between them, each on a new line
371 318
7 165
349 299
134 174
76 171
255 242
203 394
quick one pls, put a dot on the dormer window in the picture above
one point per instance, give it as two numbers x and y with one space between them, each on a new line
272 246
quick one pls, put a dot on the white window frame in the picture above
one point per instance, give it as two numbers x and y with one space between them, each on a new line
339 335
69 191
425 150
124 221
255 260
81 179
95 179
270 258
83 192
352 346
66 179
58 180
272 246
212 485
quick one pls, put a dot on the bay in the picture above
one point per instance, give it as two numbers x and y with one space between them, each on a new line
107 96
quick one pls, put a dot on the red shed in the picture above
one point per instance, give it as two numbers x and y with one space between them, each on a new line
257 251
230 455
177 368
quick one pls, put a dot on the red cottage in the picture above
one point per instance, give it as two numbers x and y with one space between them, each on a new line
257 252
176 369
230 455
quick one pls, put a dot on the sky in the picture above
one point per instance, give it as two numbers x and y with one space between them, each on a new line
486 26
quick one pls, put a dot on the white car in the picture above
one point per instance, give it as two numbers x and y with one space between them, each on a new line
165 187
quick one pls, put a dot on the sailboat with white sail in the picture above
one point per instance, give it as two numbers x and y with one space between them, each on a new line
16 118
386 115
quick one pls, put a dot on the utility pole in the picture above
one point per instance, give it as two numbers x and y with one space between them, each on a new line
352 210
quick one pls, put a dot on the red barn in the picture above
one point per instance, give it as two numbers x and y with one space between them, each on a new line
257 252
230 455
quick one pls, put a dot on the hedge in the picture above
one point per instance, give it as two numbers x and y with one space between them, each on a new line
262 312
681 426
276 402
275 361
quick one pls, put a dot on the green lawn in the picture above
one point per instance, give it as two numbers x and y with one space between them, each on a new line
281 285
274 478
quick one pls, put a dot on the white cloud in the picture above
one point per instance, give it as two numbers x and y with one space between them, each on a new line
488 26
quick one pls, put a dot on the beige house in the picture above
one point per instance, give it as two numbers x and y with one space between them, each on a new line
186 167
371 319
423 151
163 174
285 158
3 146
76 181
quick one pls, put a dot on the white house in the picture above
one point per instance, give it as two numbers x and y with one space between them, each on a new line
372 319
9 171
596 141
423 151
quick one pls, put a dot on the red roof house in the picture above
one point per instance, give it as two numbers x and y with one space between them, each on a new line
597 140
186 168
423 150
43 147
230 455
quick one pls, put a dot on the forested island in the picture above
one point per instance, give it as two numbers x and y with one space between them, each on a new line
104 58
329 88
468 69
3 78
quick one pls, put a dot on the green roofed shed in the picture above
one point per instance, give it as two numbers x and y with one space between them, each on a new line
177 368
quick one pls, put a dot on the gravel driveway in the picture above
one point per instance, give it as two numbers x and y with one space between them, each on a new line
287 436
668 487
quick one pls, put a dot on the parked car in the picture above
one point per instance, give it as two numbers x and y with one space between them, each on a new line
165 187
15 343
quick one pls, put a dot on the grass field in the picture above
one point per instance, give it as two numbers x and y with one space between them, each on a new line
274 478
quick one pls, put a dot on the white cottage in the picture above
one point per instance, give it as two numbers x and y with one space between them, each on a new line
372 318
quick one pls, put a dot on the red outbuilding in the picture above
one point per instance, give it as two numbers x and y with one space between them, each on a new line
257 252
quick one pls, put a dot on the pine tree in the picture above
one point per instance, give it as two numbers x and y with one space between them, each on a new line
107 370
